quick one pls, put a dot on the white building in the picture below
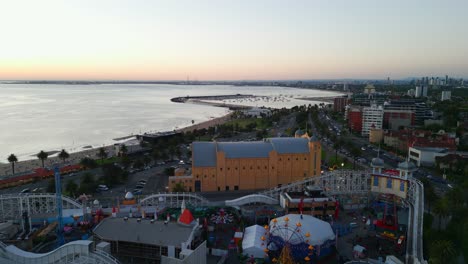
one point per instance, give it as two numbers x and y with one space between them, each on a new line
369 89
411 92
372 117
446 95
421 91
425 156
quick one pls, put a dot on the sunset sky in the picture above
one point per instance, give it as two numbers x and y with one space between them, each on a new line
232 40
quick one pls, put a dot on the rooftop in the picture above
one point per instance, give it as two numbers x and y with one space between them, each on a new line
204 153
144 232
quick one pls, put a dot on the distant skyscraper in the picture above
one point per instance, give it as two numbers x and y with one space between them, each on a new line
421 91
345 87
446 79
388 80
446 95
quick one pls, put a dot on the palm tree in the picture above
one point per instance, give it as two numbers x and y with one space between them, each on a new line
12 159
442 251
123 150
42 156
63 155
102 154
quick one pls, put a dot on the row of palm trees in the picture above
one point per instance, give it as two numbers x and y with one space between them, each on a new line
42 155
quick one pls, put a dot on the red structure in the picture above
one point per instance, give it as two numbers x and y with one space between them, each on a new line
355 119
186 217
39 173
392 119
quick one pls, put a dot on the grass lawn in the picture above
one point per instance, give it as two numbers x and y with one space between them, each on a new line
108 160
243 122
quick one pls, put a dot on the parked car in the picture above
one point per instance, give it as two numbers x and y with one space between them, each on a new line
26 191
102 187
142 182
137 191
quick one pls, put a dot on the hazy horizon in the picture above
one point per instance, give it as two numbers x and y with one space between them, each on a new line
232 41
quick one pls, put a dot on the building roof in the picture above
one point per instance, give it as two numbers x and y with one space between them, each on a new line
313 138
320 231
144 232
405 165
377 162
290 145
299 132
256 149
431 149
204 153
129 196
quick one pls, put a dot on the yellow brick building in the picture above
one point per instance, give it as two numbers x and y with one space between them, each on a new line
227 166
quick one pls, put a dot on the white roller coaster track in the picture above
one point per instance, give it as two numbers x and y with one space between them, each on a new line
13 205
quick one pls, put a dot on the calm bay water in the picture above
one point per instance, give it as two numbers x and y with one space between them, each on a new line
36 117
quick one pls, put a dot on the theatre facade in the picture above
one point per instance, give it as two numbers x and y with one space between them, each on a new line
227 166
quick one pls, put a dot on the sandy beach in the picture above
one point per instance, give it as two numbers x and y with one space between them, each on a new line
26 166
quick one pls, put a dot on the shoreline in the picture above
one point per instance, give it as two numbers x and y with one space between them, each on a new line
26 166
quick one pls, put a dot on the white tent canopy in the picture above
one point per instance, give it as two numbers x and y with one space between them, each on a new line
252 242
320 231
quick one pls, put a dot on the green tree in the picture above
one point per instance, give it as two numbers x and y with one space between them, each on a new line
156 154
63 155
441 209
441 252
123 150
169 171
102 154
138 164
429 193
126 162
71 188
51 186
179 187
355 152
88 163
12 159
337 146
172 151
87 184
42 156
146 160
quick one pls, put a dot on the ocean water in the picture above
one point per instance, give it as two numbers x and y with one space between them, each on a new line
36 117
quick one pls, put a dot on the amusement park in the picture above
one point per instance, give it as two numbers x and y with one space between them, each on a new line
341 216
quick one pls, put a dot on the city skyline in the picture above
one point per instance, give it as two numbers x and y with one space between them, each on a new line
263 40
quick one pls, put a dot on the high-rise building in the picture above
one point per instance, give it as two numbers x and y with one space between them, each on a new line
354 117
395 119
420 109
446 80
339 104
372 117
421 91
345 87
446 95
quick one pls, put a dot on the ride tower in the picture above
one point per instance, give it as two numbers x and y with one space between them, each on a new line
58 201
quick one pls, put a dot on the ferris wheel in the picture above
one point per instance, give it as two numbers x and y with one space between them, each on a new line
288 242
